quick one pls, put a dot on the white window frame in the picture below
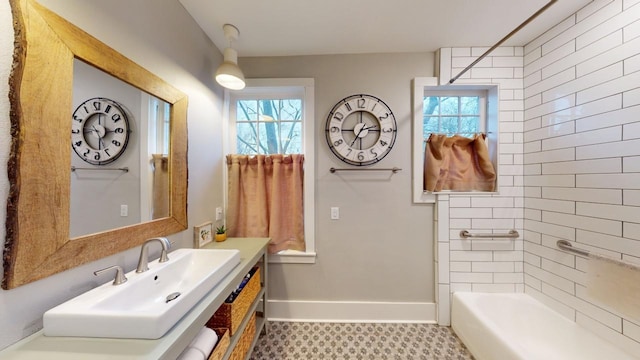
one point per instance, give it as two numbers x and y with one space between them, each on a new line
430 87
271 89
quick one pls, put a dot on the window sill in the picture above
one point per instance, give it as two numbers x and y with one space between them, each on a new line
292 257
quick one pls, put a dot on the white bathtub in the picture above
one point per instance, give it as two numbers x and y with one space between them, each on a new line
517 326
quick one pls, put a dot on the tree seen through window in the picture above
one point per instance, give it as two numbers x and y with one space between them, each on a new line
269 126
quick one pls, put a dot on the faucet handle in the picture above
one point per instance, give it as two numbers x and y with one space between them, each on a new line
120 277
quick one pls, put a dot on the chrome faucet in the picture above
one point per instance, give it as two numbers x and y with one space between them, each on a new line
143 262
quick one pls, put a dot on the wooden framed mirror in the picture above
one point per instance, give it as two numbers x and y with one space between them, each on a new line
37 242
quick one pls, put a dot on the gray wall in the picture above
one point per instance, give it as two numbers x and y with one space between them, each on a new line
381 249
160 36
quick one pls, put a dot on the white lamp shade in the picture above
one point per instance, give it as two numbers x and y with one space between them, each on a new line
229 74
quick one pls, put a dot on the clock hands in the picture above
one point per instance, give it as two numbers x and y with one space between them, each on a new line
365 129
99 133
357 135
359 131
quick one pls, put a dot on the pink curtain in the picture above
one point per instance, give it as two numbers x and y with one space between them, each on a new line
458 163
266 199
160 186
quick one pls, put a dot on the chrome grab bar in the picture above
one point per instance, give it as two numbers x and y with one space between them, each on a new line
512 234
566 245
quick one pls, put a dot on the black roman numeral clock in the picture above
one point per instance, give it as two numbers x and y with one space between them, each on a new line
361 130
99 131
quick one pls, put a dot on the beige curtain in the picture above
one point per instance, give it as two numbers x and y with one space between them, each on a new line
458 163
160 186
266 199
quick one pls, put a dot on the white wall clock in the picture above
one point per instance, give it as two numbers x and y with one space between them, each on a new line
99 131
361 129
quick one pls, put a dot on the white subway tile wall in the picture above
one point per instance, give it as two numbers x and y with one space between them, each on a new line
569 166
581 146
487 265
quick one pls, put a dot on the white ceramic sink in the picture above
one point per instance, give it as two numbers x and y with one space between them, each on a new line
138 309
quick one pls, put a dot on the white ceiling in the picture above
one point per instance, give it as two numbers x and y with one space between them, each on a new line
305 27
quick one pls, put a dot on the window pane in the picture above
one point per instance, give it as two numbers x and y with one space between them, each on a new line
449 125
247 110
247 141
469 105
267 110
429 125
290 109
269 138
291 137
430 105
469 124
449 105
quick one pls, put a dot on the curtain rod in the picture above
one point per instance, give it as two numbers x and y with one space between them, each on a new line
535 15
477 133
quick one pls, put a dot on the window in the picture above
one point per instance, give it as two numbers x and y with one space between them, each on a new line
275 116
451 109
269 126
450 114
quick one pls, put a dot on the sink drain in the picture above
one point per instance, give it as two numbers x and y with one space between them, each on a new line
172 296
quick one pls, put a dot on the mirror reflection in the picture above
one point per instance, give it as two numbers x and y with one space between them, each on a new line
38 222
120 164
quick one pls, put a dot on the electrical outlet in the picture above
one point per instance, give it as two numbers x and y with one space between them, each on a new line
124 210
218 213
335 213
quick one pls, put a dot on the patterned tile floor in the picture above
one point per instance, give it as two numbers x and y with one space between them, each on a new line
303 340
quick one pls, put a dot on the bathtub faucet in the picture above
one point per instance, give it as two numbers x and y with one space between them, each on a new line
143 262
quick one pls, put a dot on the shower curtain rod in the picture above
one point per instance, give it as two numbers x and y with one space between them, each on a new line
535 15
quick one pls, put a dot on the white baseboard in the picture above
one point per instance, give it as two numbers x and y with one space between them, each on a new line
351 311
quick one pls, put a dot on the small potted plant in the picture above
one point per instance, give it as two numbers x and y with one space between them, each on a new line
221 233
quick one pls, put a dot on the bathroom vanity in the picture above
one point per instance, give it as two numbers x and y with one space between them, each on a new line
253 252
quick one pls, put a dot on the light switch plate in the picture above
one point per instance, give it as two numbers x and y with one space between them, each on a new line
335 213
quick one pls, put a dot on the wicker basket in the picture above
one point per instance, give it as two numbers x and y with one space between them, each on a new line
246 339
222 345
230 315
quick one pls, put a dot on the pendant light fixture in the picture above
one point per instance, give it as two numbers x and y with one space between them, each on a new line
229 74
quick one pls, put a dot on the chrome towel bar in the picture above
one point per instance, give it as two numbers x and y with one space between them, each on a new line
393 169
512 234
74 168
